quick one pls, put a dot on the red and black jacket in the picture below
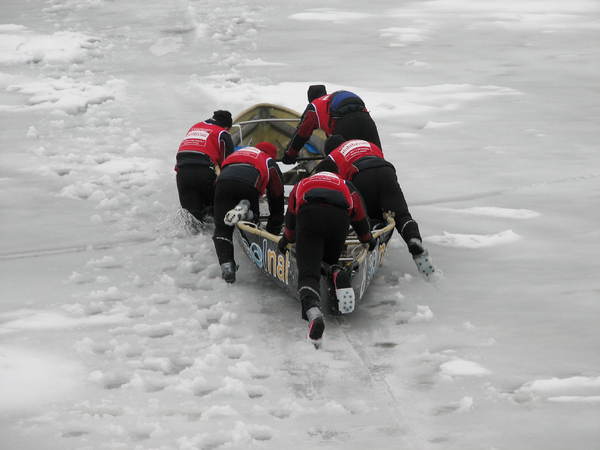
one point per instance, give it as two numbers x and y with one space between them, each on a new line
249 165
352 157
322 113
206 143
356 155
326 188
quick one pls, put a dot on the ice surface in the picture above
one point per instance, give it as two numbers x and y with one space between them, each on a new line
493 211
19 45
63 94
474 240
116 330
329 15
50 320
462 367
30 379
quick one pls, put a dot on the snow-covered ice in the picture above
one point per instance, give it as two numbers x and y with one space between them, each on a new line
329 15
19 45
116 330
462 367
32 379
474 240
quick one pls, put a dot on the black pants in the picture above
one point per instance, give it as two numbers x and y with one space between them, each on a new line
320 236
228 194
357 125
196 188
381 192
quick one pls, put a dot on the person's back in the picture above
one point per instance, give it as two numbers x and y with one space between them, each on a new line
248 165
198 158
207 142
341 112
351 118
355 155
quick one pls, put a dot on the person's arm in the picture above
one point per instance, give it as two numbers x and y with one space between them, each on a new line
289 232
226 144
304 130
327 164
275 198
358 216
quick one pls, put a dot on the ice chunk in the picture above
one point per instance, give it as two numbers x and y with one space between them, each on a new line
463 367
473 240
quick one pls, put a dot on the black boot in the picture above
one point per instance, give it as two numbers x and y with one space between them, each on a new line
310 300
316 325
228 270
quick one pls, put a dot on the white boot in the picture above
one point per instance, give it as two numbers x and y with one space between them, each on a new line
343 290
424 264
240 212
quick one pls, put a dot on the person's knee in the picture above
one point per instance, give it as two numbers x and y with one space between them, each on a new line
223 232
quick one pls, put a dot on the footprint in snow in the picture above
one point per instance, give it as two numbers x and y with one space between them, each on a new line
382 303
385 344
74 433
256 392
143 431
247 370
106 262
160 299
234 351
280 413
328 434
260 433
463 405
111 294
110 380
204 392
168 366
155 331
62 171
148 382
79 278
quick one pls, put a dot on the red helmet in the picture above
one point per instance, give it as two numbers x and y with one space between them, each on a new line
268 148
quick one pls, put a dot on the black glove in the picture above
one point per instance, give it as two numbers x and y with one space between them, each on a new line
282 244
372 244
288 159
415 247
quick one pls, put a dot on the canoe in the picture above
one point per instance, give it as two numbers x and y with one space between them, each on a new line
273 123
261 248
276 124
